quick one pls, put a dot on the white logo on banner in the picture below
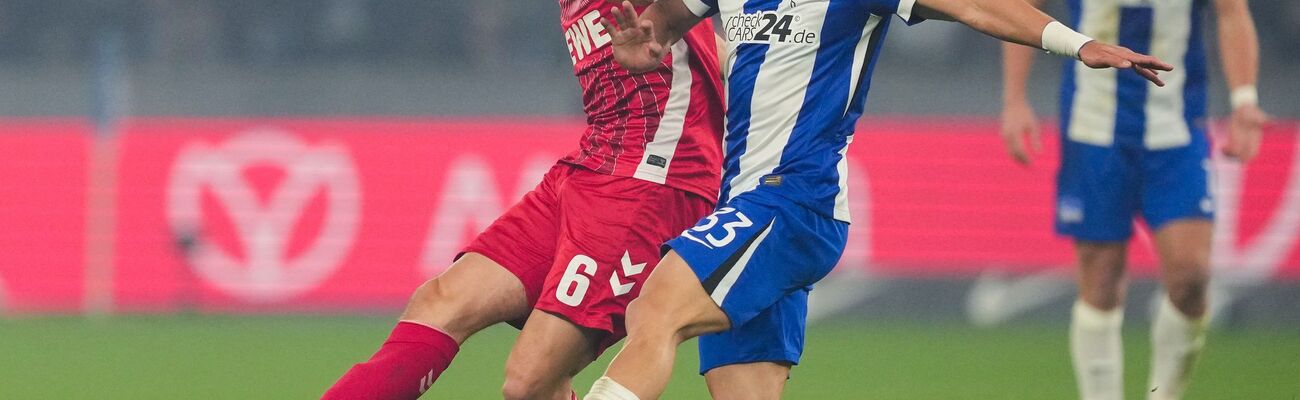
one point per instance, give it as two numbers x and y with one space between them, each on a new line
267 272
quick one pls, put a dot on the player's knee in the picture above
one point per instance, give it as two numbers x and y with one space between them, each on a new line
526 382
1187 289
1101 282
652 319
673 319
434 304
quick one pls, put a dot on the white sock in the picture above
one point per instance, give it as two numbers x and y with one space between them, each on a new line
1097 351
607 389
1176 341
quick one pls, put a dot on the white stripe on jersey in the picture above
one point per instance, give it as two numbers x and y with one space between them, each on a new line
1092 121
724 286
860 56
779 91
842 198
1166 124
697 7
673 120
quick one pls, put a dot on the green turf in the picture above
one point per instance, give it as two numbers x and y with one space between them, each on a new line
215 357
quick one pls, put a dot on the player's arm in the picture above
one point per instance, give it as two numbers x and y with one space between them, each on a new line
1018 22
640 42
1018 119
1239 47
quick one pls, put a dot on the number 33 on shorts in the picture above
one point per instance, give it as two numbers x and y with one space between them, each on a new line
739 220
577 279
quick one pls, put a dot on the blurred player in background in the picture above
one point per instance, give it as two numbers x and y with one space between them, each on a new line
570 256
798 81
1130 148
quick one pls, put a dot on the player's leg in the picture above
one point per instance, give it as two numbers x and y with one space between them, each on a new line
496 280
1098 196
548 353
473 294
751 381
1178 329
672 308
1179 207
1096 346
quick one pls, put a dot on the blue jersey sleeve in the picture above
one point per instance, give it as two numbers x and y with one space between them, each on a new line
702 8
885 8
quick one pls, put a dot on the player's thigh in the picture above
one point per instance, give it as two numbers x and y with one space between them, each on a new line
750 381
474 293
673 302
1098 192
549 352
1101 272
1179 206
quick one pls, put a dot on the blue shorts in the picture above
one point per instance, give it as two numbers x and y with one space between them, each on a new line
1101 189
758 257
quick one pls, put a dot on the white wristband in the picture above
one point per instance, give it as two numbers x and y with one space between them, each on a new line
1244 96
1061 40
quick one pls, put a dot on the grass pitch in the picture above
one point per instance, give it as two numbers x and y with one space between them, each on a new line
297 357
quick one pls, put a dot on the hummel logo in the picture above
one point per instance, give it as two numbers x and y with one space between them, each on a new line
426 382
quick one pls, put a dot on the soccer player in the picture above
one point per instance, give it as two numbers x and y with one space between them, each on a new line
799 75
573 252
1128 149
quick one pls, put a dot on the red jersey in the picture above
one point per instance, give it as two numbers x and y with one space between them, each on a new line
663 126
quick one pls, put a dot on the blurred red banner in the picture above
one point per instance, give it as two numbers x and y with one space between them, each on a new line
330 214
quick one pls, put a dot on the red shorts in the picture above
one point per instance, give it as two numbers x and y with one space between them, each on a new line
583 242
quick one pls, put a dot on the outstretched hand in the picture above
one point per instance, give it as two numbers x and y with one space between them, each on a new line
1100 55
633 39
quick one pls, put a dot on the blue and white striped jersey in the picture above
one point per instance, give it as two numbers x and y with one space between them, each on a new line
1107 106
799 75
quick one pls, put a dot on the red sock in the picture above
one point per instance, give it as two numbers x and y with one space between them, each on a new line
403 368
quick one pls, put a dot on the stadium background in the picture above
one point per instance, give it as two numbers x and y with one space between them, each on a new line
232 198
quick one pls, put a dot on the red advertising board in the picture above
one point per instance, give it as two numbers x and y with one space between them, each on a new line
328 214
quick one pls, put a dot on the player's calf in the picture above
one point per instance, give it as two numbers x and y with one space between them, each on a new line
473 294
549 352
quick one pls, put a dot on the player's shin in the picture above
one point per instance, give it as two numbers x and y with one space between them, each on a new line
642 369
1176 341
404 367
1097 351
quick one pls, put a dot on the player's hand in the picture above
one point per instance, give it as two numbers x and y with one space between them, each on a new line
1018 125
633 39
1100 55
1244 133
